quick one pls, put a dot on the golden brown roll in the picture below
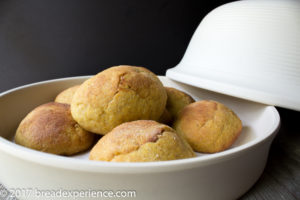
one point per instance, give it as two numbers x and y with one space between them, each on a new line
51 128
208 126
66 96
117 95
177 100
141 141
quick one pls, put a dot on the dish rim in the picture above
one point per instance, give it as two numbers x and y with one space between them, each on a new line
70 163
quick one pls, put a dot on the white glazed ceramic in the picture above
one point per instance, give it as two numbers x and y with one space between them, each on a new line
224 175
249 49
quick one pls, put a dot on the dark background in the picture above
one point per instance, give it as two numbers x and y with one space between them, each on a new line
48 39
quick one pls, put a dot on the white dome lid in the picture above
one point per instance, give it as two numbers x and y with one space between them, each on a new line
248 49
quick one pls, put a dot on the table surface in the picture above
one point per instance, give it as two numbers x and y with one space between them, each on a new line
281 177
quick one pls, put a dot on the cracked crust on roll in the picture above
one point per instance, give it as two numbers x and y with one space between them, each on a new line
117 95
51 128
208 126
141 141
66 96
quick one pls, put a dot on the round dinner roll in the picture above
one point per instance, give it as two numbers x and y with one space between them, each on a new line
208 126
51 128
66 96
117 95
141 141
177 100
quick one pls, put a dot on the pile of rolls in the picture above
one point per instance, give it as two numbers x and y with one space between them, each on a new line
136 117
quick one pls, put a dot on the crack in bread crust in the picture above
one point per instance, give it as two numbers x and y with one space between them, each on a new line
117 95
141 140
152 140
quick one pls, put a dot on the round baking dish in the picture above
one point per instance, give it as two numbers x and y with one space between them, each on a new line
224 175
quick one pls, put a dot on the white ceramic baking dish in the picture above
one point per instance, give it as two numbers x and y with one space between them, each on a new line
248 49
224 175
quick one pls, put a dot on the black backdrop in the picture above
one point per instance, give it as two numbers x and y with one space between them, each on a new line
48 39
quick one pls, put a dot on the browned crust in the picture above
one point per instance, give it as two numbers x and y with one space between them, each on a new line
96 105
66 95
128 138
208 126
177 100
51 128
